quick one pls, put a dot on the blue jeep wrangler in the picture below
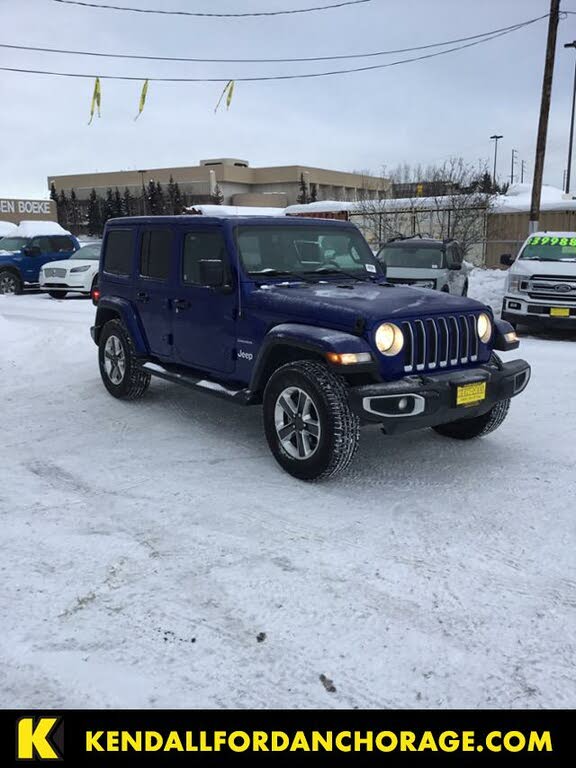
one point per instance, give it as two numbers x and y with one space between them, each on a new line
296 314
21 258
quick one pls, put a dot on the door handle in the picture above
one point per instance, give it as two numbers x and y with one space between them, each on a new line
180 304
142 297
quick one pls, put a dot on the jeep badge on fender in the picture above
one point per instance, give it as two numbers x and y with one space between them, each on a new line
333 345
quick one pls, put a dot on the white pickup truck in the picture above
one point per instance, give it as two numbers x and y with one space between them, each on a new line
541 287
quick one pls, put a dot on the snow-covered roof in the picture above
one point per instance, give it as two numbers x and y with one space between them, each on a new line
7 228
35 228
235 210
518 199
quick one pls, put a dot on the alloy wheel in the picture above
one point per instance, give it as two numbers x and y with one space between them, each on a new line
114 360
297 423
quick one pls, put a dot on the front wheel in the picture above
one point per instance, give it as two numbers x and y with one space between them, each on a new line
123 377
310 428
10 283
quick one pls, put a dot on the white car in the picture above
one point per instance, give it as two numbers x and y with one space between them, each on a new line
541 286
78 274
425 263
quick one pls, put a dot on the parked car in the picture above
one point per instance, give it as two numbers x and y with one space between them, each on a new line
77 274
30 248
425 263
237 308
541 286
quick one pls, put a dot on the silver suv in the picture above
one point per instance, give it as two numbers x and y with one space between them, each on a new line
425 263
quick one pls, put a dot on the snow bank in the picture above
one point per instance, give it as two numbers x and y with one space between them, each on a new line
6 228
488 286
519 197
234 210
35 228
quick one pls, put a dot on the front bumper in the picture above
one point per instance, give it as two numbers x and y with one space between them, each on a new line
431 399
537 314
55 286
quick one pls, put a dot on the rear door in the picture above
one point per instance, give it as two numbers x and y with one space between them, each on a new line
204 318
156 256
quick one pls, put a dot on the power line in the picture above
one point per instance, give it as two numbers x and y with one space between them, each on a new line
214 15
510 28
261 78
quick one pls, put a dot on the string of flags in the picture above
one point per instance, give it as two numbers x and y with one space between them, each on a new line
95 106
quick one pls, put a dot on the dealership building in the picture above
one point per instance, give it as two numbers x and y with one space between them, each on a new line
238 182
14 211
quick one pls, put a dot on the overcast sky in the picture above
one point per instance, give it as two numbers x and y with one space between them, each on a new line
421 112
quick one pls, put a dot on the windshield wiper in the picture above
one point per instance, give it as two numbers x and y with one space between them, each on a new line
351 275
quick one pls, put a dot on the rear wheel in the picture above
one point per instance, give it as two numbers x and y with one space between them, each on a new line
309 426
478 426
10 283
57 294
123 377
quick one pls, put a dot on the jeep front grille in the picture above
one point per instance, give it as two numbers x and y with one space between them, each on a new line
439 342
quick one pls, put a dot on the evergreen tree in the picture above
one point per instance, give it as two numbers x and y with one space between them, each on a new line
175 202
218 197
118 204
151 198
94 214
75 215
53 193
109 207
313 193
62 210
303 197
160 200
128 203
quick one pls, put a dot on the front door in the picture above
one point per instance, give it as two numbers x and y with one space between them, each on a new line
156 270
204 318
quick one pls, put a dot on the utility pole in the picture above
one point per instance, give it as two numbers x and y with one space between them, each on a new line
522 169
513 166
544 114
571 140
496 137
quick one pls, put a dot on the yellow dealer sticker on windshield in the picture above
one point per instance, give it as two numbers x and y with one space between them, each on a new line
471 393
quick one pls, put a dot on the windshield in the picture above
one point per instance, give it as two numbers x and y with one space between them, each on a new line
13 243
411 257
282 250
88 252
548 249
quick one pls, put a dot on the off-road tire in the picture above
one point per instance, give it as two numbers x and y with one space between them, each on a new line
135 381
57 294
14 279
340 427
478 426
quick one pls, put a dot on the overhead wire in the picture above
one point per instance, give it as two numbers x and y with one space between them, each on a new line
207 14
306 59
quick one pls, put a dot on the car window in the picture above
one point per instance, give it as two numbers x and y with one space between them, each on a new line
200 247
91 252
156 253
44 243
61 243
412 256
118 252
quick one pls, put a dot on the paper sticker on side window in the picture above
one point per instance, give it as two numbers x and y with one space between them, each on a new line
370 268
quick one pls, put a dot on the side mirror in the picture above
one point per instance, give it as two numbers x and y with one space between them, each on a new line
32 250
212 273
383 267
455 266
506 260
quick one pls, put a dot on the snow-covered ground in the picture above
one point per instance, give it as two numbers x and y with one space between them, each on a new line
153 553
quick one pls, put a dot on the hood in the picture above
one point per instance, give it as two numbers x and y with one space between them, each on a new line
5 255
339 304
529 267
70 263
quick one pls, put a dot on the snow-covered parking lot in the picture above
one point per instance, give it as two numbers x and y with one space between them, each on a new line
154 554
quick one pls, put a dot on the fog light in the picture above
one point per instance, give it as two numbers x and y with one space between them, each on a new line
514 305
403 404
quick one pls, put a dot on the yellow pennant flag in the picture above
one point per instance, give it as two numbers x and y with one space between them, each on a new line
228 91
142 99
96 98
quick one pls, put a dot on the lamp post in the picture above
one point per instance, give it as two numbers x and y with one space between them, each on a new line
571 139
496 137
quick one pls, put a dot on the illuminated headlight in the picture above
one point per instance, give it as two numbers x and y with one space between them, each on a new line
389 339
85 268
484 328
